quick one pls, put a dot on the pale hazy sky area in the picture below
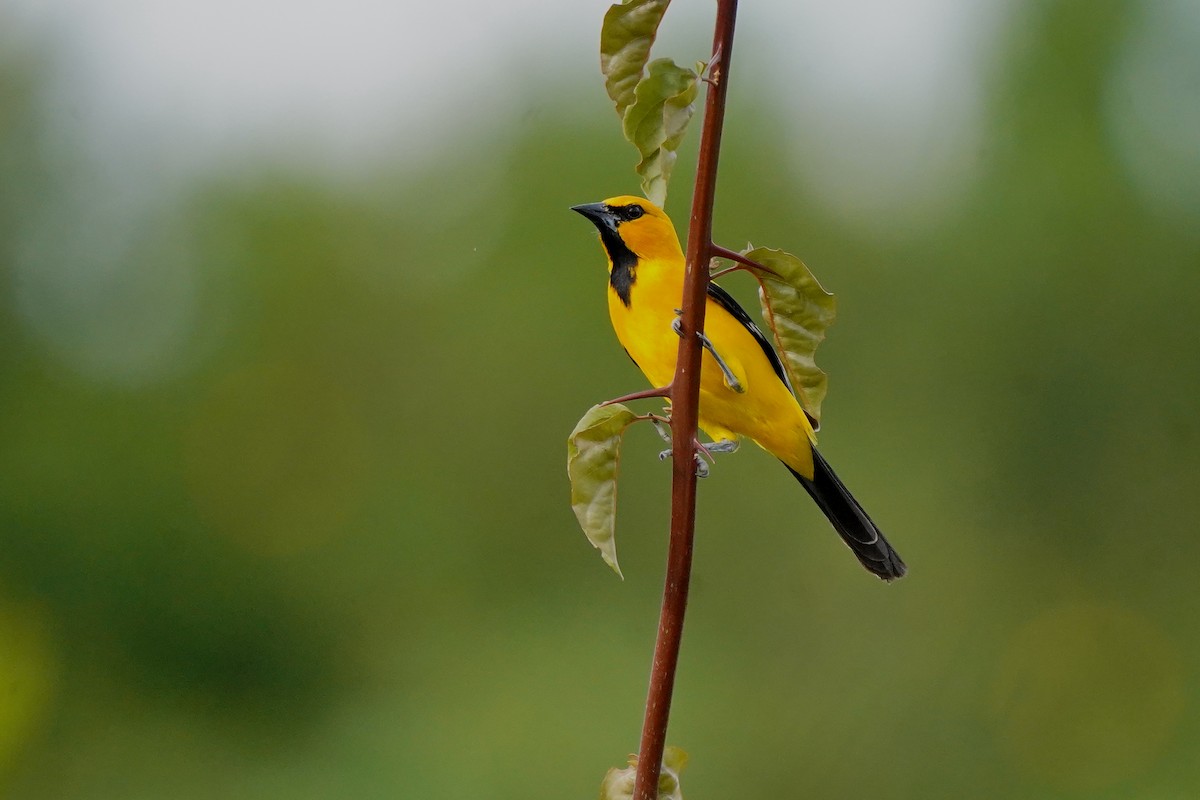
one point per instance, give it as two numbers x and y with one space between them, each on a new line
887 99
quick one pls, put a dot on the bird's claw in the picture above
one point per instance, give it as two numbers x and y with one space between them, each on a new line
701 464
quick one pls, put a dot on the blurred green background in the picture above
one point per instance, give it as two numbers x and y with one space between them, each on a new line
283 505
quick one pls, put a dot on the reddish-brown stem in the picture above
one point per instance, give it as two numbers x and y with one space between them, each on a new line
662 391
685 401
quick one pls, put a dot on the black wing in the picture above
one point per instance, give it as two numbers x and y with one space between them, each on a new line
726 301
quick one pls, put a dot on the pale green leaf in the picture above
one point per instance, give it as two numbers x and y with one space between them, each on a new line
674 760
797 310
625 39
618 783
664 103
593 456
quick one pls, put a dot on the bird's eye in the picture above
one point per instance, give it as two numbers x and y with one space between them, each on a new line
634 211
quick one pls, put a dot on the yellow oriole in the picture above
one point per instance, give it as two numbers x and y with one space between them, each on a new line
744 389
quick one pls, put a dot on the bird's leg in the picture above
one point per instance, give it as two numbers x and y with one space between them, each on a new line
730 379
664 433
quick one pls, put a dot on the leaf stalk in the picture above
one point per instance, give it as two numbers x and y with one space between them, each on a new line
660 391
733 255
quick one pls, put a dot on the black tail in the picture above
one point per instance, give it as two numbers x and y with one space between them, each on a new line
851 521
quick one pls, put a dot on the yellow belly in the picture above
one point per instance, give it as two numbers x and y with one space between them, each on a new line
765 412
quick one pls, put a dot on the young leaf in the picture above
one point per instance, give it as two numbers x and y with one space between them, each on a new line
674 760
593 456
797 310
663 106
625 39
618 783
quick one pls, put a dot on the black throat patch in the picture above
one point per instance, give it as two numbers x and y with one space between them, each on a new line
623 260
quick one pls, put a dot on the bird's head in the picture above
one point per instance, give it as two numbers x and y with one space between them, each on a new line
633 225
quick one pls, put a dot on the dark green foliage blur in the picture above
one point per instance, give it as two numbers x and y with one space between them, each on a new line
325 548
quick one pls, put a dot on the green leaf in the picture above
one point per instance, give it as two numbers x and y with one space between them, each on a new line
625 39
593 455
664 103
798 311
618 783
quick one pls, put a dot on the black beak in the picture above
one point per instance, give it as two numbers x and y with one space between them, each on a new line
598 213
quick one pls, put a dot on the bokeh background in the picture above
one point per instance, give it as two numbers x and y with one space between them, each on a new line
294 322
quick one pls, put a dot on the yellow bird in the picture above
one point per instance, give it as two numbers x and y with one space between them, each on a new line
744 390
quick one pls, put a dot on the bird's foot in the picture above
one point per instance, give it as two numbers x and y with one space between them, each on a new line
723 446
705 453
